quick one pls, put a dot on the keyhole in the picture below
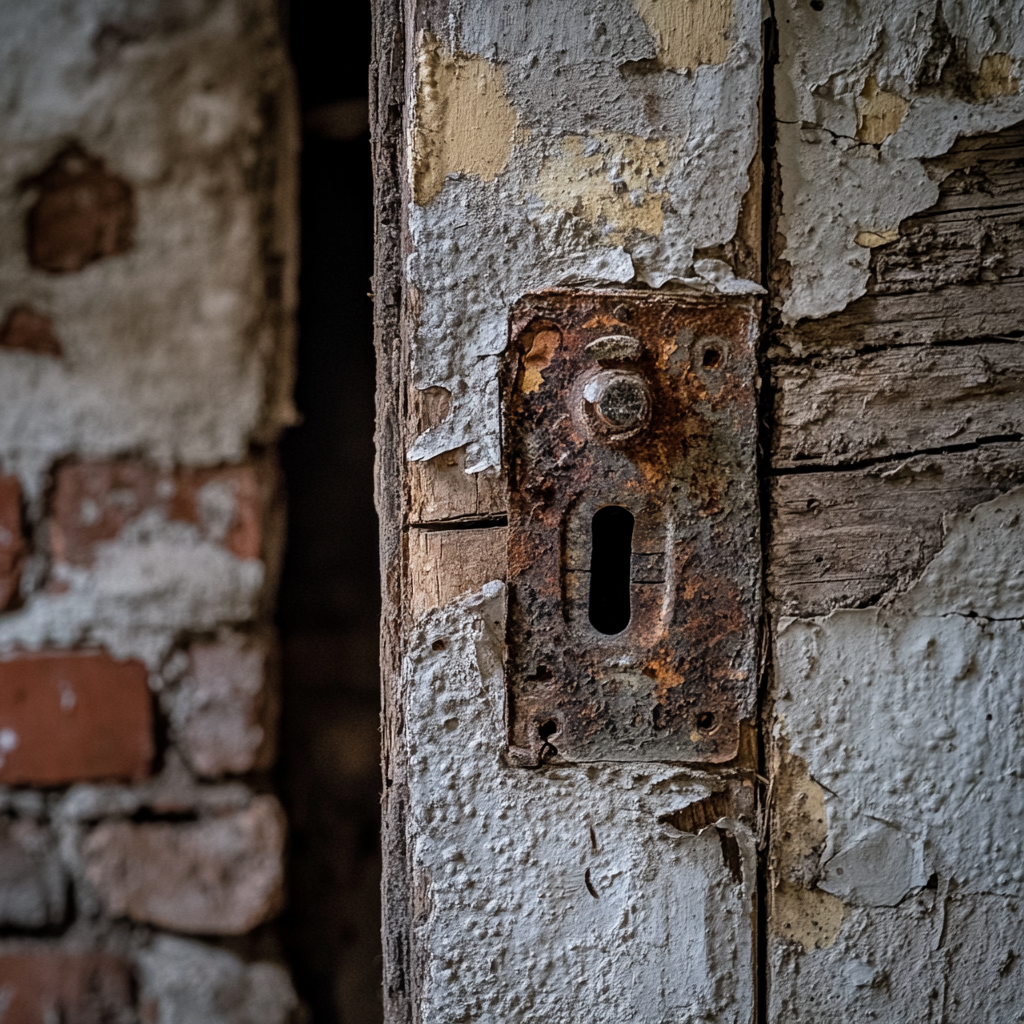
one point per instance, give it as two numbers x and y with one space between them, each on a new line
611 540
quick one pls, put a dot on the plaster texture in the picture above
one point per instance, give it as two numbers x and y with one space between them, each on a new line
864 96
907 717
192 983
557 895
175 342
575 144
172 349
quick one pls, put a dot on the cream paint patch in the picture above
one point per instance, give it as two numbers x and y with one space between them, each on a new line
615 182
879 113
462 123
799 911
871 239
995 77
689 32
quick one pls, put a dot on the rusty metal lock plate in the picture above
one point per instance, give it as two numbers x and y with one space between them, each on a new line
633 550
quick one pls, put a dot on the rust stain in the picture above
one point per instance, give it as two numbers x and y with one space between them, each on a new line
678 681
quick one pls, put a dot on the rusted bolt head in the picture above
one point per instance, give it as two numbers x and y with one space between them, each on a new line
618 402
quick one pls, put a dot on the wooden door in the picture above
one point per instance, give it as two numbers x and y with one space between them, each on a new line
854 853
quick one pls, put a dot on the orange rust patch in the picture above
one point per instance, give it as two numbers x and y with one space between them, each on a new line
542 348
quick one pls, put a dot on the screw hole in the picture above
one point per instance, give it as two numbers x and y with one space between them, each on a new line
548 729
705 721
712 357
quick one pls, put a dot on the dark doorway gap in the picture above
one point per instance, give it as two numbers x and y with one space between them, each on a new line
328 606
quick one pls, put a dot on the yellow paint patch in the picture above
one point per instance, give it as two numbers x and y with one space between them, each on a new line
462 121
800 912
535 361
689 32
869 239
614 181
879 113
995 77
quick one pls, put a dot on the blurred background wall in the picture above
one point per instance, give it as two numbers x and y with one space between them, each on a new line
158 636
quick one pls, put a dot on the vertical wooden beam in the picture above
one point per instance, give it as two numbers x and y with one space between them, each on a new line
387 104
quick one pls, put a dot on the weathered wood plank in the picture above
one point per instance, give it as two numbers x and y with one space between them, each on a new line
441 491
973 233
386 89
445 564
955 272
896 401
952 314
927 363
844 539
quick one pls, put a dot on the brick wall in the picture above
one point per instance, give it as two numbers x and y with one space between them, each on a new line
146 298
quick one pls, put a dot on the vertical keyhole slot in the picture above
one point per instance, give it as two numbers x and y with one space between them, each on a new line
611 544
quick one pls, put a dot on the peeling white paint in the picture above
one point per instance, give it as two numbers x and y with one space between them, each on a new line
910 717
586 73
836 188
504 859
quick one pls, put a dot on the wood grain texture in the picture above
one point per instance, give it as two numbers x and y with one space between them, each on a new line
846 539
909 404
955 272
445 564
441 491
973 234
894 401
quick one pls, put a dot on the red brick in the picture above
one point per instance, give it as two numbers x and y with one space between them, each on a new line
44 986
73 715
95 501
30 331
82 213
12 540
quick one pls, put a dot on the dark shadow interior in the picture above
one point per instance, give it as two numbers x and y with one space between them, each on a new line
329 600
